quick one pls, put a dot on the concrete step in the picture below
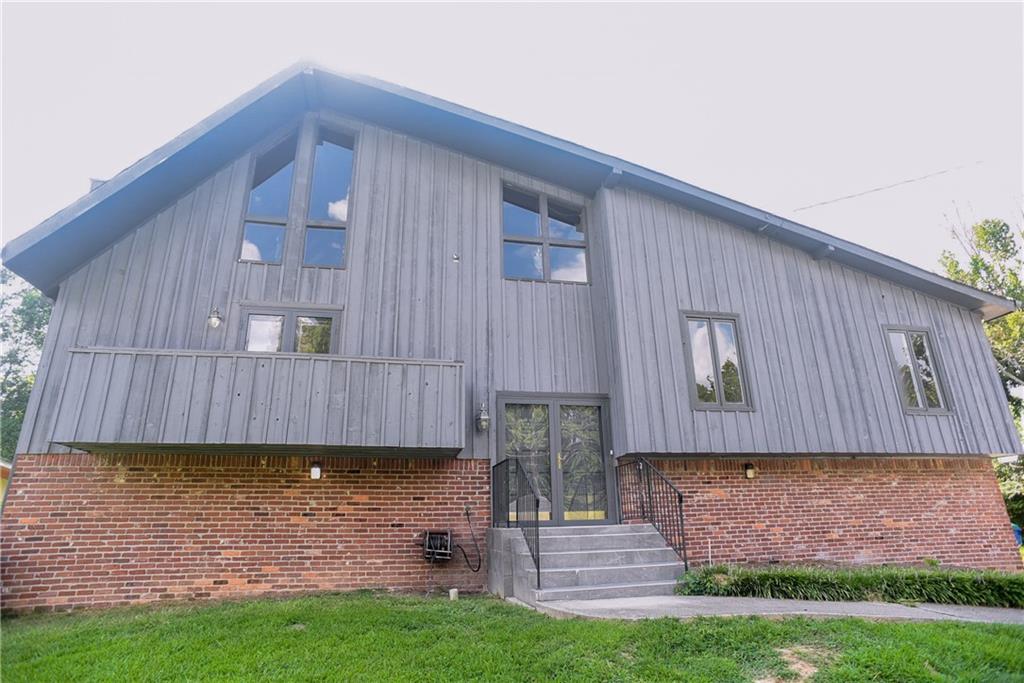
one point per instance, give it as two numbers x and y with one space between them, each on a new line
561 577
599 558
622 541
619 590
592 529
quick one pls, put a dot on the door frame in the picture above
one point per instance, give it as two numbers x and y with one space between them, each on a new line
601 401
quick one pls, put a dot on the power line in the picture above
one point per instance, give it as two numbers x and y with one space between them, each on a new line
888 187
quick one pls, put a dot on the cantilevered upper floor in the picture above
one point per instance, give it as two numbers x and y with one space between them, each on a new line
335 263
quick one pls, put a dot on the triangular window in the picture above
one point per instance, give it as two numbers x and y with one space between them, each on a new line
272 182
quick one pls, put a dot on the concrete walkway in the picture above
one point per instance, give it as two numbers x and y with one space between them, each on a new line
684 607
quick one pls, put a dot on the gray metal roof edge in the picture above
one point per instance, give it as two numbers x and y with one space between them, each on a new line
48 226
689 190
990 305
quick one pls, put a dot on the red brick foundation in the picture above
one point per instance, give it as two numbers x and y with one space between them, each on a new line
844 510
90 531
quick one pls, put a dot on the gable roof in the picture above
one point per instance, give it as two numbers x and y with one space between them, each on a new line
49 252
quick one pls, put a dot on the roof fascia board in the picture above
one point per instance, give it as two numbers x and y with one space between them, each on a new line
19 244
797 234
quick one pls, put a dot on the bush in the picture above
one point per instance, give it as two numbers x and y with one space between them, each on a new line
887 584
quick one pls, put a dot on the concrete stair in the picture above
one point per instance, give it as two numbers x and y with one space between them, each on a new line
589 562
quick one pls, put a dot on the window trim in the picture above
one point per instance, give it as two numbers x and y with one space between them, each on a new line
301 190
937 369
544 240
290 314
741 356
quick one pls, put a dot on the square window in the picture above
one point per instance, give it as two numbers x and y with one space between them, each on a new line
520 213
312 334
263 332
262 243
525 261
544 239
569 264
324 247
564 223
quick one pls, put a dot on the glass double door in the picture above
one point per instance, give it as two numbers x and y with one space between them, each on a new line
559 442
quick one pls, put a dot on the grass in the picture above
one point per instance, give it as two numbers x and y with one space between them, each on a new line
372 637
889 584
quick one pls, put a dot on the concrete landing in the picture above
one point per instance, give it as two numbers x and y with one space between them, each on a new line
683 607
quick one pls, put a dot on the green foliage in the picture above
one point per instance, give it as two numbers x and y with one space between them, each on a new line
1011 483
888 584
995 263
24 314
366 637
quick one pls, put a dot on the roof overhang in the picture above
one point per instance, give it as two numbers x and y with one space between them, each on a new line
51 251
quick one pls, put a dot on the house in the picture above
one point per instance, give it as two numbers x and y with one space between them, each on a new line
326 319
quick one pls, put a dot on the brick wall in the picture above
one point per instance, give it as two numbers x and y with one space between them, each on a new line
84 530
864 510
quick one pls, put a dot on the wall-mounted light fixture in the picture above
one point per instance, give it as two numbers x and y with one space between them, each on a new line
314 471
483 419
215 319
749 471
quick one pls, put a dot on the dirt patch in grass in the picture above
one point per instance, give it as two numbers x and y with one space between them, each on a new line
802 660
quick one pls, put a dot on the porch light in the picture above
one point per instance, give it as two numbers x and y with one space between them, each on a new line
749 471
314 471
483 419
215 319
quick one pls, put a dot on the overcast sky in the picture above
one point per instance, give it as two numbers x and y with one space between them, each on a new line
778 106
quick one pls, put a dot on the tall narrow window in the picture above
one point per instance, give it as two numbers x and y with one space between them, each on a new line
544 240
914 367
327 216
267 213
715 371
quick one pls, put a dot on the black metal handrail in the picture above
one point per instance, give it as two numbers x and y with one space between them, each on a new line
647 494
514 488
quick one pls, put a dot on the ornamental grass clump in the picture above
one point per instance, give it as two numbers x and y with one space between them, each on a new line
886 584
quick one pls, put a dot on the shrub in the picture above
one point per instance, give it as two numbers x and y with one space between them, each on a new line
888 584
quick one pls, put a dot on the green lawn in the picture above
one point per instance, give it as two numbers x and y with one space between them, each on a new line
383 638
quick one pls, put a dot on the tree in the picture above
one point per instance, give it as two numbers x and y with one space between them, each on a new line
1011 483
995 263
24 314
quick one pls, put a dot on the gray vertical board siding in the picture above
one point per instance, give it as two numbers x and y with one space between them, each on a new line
422 279
816 360
172 396
401 294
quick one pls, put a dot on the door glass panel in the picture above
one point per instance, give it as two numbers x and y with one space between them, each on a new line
584 495
528 442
